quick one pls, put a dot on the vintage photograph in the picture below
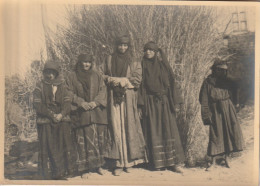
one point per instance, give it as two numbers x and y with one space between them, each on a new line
130 93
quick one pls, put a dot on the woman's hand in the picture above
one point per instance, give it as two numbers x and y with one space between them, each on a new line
85 106
113 81
140 113
57 118
92 105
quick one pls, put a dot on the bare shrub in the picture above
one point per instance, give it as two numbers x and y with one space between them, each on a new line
186 33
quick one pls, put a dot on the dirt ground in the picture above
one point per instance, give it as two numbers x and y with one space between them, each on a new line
240 172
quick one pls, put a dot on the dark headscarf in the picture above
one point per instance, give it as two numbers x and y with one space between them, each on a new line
155 73
83 75
152 46
47 89
53 66
219 63
119 61
158 77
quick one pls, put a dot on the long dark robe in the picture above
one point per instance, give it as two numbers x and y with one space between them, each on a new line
157 99
90 127
57 152
216 106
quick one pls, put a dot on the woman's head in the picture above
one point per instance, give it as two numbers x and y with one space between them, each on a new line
50 70
150 49
85 61
219 68
122 43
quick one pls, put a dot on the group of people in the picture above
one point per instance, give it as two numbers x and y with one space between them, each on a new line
124 114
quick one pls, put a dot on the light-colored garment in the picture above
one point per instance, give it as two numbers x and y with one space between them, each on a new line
128 146
119 120
54 90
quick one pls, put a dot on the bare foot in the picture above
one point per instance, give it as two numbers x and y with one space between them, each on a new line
117 171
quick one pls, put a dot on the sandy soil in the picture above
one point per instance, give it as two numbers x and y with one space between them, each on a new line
240 172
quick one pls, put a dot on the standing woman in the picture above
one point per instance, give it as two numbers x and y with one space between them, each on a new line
89 115
219 113
123 77
52 103
159 99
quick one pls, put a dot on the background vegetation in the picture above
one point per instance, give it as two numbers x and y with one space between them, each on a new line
186 33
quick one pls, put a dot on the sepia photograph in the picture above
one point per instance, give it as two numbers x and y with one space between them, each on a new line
130 93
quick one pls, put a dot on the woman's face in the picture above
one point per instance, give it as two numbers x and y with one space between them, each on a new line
149 53
49 74
122 48
220 72
86 65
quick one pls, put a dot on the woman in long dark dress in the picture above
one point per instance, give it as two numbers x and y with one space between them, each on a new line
89 115
159 98
52 103
219 113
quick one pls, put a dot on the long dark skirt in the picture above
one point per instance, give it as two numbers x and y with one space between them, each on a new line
92 146
161 133
57 153
225 135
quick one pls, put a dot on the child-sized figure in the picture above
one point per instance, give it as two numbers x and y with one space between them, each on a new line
52 104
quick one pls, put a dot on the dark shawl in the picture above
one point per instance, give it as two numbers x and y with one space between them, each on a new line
120 63
84 78
158 79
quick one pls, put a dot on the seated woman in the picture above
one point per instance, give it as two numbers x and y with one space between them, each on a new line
89 115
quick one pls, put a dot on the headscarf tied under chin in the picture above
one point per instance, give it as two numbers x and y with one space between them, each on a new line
53 66
50 85
83 75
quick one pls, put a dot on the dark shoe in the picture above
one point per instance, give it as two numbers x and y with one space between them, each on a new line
128 170
211 167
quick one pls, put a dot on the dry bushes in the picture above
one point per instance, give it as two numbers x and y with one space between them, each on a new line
186 33
20 116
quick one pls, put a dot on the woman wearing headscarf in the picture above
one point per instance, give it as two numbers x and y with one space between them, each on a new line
89 115
218 111
52 103
159 98
123 77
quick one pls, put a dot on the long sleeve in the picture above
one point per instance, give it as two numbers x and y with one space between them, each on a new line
75 99
234 90
39 104
101 97
136 75
204 101
105 68
66 102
